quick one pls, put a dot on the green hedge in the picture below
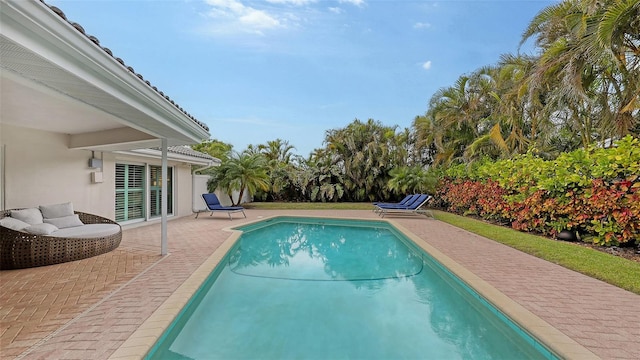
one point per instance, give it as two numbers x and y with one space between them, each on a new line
595 192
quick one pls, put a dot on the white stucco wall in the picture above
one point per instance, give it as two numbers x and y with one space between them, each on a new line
183 189
226 200
199 188
39 169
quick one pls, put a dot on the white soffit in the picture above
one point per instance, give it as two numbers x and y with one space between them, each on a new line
32 105
54 78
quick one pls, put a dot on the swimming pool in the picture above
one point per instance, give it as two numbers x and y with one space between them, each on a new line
320 288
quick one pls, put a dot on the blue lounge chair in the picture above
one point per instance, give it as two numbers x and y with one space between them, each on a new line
412 207
404 201
213 205
416 198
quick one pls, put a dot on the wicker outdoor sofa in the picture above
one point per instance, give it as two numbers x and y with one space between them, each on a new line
94 236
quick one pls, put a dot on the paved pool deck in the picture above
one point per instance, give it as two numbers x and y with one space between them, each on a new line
96 308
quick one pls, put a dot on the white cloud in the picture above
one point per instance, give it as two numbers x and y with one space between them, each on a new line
353 2
292 2
336 10
421 25
232 5
427 65
232 16
258 19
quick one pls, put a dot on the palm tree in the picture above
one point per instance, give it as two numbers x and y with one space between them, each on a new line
407 180
592 48
517 107
365 151
424 130
215 148
319 178
457 117
219 179
279 155
278 150
618 40
584 86
244 171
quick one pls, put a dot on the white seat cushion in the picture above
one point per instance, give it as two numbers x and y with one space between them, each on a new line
41 229
31 216
87 231
13 224
56 210
65 221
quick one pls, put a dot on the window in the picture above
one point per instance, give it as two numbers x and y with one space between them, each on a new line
130 202
155 191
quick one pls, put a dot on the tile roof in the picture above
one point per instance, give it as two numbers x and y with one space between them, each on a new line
185 150
95 40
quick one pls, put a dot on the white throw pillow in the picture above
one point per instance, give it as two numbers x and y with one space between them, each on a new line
56 210
65 221
13 224
31 216
41 229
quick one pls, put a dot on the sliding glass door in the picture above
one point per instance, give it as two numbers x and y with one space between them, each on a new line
138 196
155 190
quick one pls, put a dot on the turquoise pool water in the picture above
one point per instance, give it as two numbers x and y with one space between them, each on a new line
294 288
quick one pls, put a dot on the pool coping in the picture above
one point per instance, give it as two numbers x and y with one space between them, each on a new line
138 345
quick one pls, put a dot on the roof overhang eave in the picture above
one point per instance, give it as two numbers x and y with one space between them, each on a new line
157 154
34 26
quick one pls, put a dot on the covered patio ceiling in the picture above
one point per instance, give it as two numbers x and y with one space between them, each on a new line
54 77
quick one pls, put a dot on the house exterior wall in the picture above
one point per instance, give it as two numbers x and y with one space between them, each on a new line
40 169
182 182
184 190
199 188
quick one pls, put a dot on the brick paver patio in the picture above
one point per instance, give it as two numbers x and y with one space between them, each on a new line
87 309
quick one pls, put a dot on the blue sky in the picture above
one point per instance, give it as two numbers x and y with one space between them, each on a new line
255 71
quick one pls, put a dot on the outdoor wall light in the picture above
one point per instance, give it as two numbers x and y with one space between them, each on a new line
95 163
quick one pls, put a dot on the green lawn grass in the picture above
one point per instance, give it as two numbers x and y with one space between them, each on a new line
614 270
308 206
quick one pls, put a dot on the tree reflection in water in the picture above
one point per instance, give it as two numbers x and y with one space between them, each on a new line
317 252
357 292
459 319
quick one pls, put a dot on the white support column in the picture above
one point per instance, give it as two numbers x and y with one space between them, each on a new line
163 200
